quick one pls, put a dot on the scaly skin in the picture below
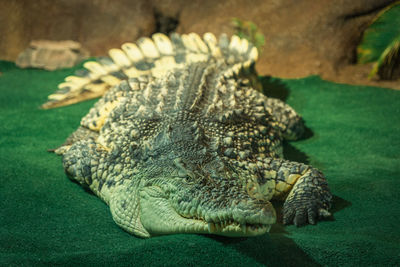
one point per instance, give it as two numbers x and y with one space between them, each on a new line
195 151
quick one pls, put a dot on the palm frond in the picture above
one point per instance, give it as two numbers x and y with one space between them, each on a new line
381 43
388 64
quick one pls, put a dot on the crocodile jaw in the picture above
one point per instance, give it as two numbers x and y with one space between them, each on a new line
158 217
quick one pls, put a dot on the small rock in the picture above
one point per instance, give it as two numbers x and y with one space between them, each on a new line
51 55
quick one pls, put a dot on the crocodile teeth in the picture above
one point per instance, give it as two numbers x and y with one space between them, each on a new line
211 227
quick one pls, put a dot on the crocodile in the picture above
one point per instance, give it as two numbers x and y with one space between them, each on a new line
181 142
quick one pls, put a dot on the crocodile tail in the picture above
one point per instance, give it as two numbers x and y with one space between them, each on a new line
152 57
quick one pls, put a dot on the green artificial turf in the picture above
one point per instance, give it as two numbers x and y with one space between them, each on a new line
354 139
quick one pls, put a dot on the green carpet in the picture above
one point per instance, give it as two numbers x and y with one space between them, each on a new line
46 219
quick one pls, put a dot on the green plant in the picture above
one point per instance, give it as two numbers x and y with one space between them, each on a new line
381 44
249 31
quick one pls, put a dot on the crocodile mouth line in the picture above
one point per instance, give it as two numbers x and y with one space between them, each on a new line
235 227
231 227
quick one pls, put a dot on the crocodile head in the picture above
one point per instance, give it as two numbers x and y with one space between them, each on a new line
198 191
203 205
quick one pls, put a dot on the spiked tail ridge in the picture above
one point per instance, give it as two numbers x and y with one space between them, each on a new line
150 57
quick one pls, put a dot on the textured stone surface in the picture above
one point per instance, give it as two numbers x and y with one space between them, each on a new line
97 25
302 37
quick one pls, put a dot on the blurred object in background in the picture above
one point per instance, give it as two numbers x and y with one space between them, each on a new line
381 44
51 55
249 30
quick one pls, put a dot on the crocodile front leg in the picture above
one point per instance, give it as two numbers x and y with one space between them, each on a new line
304 189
